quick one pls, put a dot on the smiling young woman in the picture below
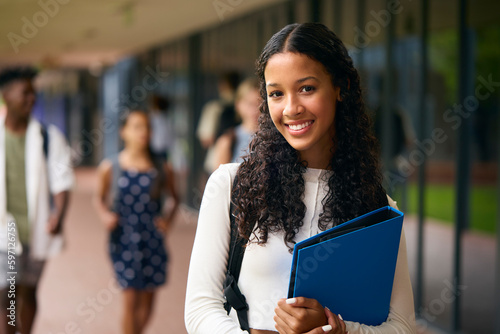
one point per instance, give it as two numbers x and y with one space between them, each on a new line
312 165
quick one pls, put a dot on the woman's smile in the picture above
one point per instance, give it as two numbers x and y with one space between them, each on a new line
299 127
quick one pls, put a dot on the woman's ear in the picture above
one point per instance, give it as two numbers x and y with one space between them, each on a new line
339 96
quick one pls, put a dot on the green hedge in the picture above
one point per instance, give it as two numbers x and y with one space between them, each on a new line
440 204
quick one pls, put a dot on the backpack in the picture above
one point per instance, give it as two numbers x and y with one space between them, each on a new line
234 298
45 136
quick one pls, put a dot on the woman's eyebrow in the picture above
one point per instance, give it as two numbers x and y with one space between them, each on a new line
272 84
307 78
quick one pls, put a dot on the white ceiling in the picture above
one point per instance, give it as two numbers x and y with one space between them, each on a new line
87 33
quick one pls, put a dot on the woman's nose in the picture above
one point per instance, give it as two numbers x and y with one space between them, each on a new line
293 107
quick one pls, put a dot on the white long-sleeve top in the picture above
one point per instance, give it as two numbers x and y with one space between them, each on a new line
265 269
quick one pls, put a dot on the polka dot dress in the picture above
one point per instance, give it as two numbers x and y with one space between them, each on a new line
136 246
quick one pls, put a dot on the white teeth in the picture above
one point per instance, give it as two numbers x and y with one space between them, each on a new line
297 127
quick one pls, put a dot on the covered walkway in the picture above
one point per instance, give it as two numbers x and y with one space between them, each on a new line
77 293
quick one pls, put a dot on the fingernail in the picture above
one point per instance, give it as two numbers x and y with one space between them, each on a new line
340 317
327 328
291 300
327 308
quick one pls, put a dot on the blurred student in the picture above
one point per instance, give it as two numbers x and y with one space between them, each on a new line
211 124
36 177
162 132
234 142
129 203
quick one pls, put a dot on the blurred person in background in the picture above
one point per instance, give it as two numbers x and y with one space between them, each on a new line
36 175
129 203
162 132
234 142
403 134
209 125
401 145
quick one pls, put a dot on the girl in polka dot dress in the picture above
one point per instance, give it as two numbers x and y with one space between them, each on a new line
135 219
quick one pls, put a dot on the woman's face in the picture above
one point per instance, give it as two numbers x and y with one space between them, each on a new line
136 131
302 102
248 107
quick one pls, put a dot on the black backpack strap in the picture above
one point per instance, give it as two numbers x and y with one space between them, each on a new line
45 136
234 298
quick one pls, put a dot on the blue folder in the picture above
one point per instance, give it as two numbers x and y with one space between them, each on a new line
350 267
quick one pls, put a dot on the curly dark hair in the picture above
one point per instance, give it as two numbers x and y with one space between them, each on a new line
270 186
16 73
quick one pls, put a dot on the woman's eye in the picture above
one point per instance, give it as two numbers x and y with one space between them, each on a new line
275 94
307 89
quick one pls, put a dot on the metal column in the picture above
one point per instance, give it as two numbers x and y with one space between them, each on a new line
195 98
337 17
315 12
361 24
291 11
421 171
497 259
462 208
387 136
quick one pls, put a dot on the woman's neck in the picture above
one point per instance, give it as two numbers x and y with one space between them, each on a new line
316 160
135 153
250 127
318 156
135 158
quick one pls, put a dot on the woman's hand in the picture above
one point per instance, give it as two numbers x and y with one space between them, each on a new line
110 219
162 224
304 315
336 325
54 226
299 315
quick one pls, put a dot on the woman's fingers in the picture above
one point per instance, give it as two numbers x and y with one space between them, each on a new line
296 322
337 323
280 325
302 302
321 330
303 309
283 319
342 324
299 315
